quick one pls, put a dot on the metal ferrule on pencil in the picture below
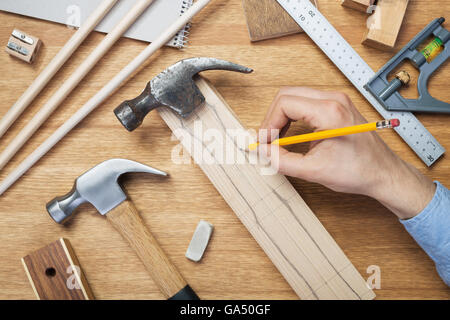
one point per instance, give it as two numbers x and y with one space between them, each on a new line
385 124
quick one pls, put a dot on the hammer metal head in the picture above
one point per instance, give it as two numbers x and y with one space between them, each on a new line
98 186
173 88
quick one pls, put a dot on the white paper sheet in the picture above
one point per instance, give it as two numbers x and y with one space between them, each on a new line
160 15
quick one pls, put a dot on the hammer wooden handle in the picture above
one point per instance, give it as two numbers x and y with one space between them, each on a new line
126 219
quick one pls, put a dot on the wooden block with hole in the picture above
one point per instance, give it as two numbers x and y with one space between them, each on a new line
266 19
385 23
360 5
55 273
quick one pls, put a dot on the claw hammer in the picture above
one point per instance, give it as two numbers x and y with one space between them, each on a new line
99 186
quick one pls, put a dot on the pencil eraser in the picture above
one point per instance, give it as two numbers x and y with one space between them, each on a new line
199 241
395 123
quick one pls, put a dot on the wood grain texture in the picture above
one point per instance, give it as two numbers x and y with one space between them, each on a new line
360 5
59 59
128 222
267 204
56 274
386 22
266 19
67 87
235 267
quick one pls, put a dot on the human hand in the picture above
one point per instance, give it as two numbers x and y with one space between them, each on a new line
360 163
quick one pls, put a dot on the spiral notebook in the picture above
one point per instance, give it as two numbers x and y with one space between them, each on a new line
160 15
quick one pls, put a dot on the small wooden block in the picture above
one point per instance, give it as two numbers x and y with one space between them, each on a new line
266 19
385 24
360 5
55 273
23 46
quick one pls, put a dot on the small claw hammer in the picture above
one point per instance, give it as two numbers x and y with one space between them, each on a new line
99 186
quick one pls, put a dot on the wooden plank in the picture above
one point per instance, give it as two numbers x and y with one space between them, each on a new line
266 19
360 5
55 273
385 24
268 205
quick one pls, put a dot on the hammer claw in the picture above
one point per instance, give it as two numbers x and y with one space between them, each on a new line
173 88
98 186
126 166
197 65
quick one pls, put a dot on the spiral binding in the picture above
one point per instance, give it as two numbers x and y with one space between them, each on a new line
182 37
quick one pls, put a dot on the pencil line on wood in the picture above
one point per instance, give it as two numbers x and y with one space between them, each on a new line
283 202
250 208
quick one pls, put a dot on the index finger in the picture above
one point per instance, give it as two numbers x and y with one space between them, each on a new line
310 93
318 114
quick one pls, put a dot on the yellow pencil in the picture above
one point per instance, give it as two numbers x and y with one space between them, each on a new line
327 134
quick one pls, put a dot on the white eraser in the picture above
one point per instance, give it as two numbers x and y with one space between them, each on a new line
199 241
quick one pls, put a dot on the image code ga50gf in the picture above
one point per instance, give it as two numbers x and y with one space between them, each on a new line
247 309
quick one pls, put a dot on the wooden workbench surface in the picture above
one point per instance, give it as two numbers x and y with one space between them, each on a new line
234 267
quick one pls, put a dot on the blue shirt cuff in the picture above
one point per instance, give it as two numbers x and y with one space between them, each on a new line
431 230
416 222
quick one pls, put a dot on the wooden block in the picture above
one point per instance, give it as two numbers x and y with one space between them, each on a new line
268 205
266 19
23 46
360 5
55 273
385 24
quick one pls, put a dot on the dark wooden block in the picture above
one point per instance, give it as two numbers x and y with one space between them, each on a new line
55 273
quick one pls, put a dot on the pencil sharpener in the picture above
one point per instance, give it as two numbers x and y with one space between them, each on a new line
23 46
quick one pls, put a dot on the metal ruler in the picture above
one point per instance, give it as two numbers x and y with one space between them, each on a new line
359 73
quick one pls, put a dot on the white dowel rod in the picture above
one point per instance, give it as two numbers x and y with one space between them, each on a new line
104 93
70 84
57 62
